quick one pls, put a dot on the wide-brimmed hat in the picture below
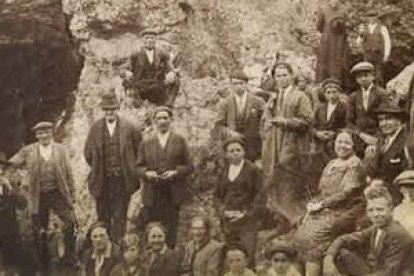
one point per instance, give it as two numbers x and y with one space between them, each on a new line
109 101
405 178
387 107
283 247
233 139
332 82
42 126
238 75
363 66
3 159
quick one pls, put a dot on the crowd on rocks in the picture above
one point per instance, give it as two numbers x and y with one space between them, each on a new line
343 160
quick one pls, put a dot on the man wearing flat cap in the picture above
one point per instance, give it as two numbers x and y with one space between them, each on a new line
51 187
281 255
164 165
362 104
111 151
387 159
153 75
404 211
239 198
240 113
375 41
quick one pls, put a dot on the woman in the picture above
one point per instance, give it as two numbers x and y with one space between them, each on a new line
131 264
340 203
159 259
333 52
202 255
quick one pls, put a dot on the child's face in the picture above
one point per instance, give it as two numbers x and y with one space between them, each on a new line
302 83
408 192
236 261
131 254
331 95
280 263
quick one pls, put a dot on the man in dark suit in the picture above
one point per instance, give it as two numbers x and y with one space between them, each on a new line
110 151
387 244
240 114
363 103
163 164
153 76
387 158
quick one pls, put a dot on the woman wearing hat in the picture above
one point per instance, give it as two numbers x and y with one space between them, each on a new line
282 256
404 211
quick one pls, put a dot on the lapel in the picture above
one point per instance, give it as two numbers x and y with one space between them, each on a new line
359 99
372 98
324 112
248 107
396 144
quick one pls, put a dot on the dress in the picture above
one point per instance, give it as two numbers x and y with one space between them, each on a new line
333 53
340 189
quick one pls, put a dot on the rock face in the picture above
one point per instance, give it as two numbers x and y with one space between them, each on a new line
39 65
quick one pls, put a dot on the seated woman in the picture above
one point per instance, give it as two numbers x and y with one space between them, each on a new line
202 255
101 258
282 260
159 260
337 208
131 264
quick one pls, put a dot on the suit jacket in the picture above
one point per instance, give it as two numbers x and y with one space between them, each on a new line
140 64
130 138
360 119
30 158
175 156
336 121
108 264
207 260
227 119
167 263
388 258
284 145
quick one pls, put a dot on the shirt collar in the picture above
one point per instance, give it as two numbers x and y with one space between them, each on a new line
394 136
106 253
239 165
48 147
368 89
163 135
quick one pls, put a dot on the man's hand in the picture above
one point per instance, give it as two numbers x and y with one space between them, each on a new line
170 78
234 215
329 267
370 151
322 135
151 175
314 207
279 121
168 174
368 139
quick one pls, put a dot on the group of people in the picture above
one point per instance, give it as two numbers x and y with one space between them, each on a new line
357 221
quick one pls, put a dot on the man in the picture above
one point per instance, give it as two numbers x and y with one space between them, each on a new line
110 151
375 41
403 212
236 259
388 245
164 165
363 103
239 198
240 113
153 77
387 159
51 187
285 123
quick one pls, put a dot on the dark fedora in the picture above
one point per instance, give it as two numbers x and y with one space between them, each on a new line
3 159
234 139
42 126
238 74
389 108
109 101
281 246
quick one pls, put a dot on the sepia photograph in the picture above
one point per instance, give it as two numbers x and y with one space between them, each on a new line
207 138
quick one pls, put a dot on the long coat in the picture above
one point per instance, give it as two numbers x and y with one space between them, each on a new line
130 138
227 119
175 156
293 139
30 158
333 53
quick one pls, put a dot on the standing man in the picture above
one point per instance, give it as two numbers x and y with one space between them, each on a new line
51 187
376 44
110 151
164 165
153 76
285 122
363 103
240 113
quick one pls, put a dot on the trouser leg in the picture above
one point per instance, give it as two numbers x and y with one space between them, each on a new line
351 263
40 225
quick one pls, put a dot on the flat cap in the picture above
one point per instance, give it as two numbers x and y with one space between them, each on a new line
281 246
362 66
42 125
233 139
160 109
332 82
405 178
149 31
239 75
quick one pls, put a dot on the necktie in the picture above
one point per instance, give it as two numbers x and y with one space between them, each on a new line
280 100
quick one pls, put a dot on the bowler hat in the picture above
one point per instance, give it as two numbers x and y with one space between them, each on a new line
42 125
363 66
281 246
332 82
387 107
233 139
109 101
3 159
239 75
405 178
160 109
